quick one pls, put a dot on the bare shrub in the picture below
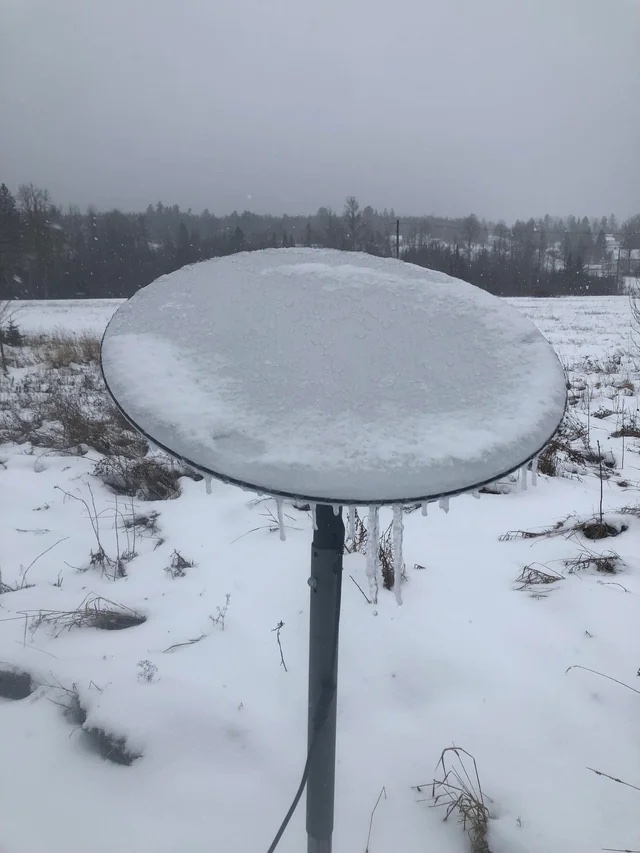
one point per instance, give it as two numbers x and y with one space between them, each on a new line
113 566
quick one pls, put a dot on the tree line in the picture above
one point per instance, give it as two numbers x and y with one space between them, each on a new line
47 252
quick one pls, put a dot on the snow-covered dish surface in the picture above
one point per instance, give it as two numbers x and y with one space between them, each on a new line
333 376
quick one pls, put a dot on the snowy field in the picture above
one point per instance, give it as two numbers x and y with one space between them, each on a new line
571 323
198 699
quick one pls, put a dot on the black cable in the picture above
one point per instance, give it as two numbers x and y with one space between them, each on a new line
319 718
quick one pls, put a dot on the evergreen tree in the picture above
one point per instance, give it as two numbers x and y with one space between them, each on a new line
10 243
237 242
308 235
600 249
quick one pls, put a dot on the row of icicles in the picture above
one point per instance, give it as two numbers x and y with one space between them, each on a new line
397 530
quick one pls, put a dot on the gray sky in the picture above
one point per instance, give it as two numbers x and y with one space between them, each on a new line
502 107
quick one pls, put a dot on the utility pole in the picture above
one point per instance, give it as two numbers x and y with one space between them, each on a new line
397 238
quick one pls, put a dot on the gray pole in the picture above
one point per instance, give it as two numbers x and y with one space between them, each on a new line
324 621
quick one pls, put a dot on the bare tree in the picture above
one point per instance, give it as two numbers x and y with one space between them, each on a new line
471 231
353 221
38 236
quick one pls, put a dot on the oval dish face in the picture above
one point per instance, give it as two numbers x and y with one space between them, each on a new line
333 376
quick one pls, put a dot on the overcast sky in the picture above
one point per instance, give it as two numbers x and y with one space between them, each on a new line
502 107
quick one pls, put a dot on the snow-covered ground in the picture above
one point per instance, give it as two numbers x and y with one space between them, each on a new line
77 315
471 659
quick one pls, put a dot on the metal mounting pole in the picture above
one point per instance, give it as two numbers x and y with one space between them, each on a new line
324 622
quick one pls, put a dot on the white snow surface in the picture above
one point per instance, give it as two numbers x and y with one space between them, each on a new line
334 376
469 659
46 317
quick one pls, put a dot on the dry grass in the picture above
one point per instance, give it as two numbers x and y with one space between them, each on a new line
386 559
602 413
356 535
62 350
66 412
356 542
567 449
593 529
627 431
459 791
531 577
93 612
608 563
153 478
62 403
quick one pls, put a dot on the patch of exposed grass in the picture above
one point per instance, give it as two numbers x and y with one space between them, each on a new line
65 412
60 350
627 431
94 612
152 478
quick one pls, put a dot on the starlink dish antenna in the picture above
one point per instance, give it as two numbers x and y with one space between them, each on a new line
341 380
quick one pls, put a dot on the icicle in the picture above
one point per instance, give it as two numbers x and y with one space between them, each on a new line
444 504
534 471
476 494
314 520
207 483
336 509
352 523
523 478
280 510
425 510
398 565
372 553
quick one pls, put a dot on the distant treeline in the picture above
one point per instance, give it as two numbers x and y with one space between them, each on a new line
48 253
